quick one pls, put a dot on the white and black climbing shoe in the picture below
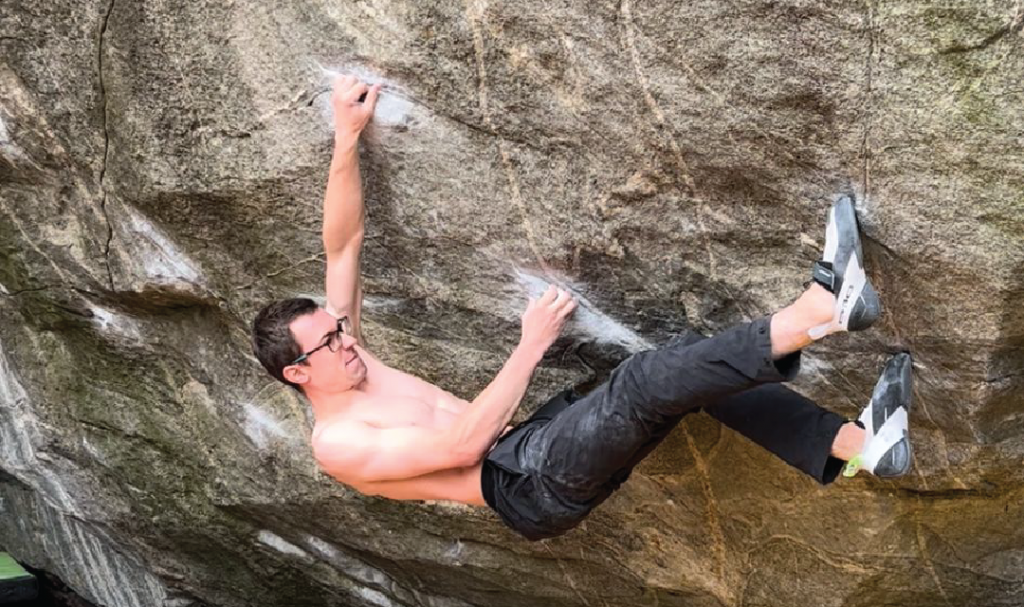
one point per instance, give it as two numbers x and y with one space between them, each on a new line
886 451
841 271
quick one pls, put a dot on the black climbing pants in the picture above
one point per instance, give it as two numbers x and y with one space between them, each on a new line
549 472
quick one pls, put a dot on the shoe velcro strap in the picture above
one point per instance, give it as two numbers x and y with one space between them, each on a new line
823 274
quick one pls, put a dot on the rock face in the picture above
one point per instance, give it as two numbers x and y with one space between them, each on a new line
161 172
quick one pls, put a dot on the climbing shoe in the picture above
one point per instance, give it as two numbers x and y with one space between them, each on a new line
841 271
885 420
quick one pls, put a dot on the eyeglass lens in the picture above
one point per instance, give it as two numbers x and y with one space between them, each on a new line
334 344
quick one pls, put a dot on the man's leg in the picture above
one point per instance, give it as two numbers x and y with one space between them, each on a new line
817 441
589 444
784 422
787 424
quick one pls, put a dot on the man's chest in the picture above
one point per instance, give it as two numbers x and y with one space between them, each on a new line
398 411
410 397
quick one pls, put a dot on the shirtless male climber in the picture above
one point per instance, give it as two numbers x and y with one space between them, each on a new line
384 432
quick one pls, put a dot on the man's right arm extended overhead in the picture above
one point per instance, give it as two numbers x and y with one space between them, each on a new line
343 201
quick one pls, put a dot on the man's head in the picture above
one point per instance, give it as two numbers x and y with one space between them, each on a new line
302 345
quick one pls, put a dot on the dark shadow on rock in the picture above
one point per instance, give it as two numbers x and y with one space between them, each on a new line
747 184
1003 406
53 592
7 478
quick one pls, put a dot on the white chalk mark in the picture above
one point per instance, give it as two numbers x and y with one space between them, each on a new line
351 566
588 319
361 573
455 553
396 106
162 261
115 323
375 596
280 544
261 427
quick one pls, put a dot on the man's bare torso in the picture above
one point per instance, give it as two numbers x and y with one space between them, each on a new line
389 398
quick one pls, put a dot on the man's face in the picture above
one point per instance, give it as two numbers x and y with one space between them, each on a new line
335 365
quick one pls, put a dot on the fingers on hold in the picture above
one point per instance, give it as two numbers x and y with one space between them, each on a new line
568 308
352 95
371 97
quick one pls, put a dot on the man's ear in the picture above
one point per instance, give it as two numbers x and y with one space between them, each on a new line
296 374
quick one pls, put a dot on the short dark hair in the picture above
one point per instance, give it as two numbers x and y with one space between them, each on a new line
272 340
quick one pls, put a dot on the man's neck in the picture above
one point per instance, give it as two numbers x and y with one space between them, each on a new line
329 404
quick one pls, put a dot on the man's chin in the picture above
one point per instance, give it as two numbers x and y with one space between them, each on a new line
357 371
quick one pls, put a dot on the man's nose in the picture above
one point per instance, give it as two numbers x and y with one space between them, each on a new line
347 341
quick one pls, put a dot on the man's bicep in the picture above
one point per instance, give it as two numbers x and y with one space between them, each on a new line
373 454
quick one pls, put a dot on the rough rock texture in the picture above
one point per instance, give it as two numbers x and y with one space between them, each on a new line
161 171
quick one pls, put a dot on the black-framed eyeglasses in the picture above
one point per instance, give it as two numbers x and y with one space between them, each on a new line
331 341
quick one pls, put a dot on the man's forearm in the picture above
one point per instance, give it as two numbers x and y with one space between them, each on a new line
482 423
343 201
